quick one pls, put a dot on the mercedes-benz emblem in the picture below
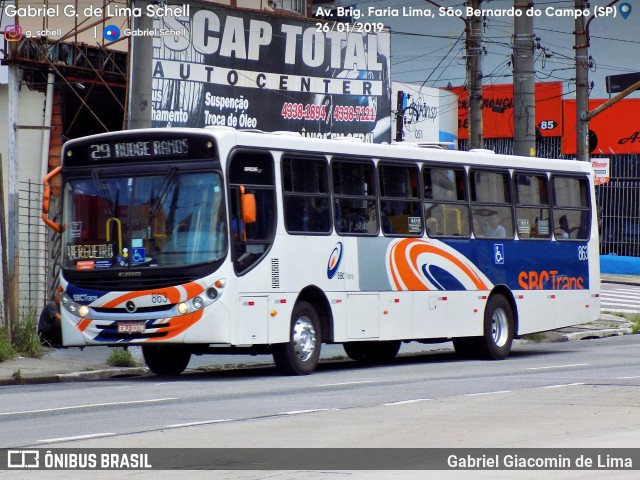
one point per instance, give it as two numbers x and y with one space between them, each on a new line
130 306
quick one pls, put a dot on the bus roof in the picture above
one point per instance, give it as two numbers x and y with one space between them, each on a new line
228 138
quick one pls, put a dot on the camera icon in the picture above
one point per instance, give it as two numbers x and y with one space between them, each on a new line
13 33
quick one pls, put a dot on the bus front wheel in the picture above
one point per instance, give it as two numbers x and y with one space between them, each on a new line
166 359
496 342
300 355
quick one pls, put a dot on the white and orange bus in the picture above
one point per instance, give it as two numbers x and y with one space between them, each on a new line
193 241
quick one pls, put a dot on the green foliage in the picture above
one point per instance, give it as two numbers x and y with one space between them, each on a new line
17 376
635 322
6 349
534 337
119 357
27 340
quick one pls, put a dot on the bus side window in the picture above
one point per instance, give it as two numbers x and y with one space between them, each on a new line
306 195
571 217
532 206
445 202
400 207
491 203
354 189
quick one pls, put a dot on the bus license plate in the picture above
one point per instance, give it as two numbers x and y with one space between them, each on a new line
131 327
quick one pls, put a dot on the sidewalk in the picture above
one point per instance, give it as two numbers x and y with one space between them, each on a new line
62 365
73 364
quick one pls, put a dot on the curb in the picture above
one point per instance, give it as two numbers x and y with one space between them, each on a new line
103 374
620 279
585 334
77 376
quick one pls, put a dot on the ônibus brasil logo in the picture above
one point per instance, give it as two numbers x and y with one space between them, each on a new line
334 261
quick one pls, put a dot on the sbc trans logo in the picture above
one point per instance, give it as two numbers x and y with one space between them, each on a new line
334 261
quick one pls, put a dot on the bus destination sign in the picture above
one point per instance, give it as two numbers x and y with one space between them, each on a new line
148 147
178 147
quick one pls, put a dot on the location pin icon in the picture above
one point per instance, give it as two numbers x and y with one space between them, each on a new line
625 10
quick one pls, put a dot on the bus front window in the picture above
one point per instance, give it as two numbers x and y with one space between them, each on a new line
147 221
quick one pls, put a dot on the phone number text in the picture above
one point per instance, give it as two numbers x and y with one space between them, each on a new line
340 113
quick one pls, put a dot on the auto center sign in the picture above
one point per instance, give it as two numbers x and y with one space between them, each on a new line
267 72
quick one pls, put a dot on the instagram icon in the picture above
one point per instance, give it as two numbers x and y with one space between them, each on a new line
12 33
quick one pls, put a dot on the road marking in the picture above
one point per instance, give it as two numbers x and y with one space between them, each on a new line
628 378
350 383
559 366
91 405
299 412
486 393
204 422
613 299
564 385
77 437
622 310
405 402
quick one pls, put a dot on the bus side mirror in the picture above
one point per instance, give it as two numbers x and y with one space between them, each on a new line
46 200
248 206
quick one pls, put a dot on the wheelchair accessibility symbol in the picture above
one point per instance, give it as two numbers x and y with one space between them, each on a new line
138 254
498 252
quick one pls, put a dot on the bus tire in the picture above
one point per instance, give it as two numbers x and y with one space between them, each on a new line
498 328
495 344
300 355
372 352
166 359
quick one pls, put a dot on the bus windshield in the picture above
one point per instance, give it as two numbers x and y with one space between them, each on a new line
167 219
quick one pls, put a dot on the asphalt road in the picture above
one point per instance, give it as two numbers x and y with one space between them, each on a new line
543 377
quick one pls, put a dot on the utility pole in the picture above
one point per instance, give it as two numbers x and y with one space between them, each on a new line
474 75
473 46
524 138
400 116
140 65
13 230
582 84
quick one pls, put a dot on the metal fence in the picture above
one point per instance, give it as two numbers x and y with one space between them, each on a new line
619 207
38 248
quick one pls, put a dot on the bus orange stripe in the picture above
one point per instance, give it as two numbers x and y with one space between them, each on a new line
405 267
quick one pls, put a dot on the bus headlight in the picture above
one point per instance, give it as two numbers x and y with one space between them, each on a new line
212 293
65 298
83 311
183 308
198 303
72 307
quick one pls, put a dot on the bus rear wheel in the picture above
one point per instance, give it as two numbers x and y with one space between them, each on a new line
495 344
300 355
166 359
372 352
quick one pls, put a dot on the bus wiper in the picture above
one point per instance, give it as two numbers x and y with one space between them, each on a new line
165 187
104 192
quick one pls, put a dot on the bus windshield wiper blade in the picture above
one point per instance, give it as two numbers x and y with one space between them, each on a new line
165 187
104 192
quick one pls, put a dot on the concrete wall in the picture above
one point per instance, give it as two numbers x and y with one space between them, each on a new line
29 167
